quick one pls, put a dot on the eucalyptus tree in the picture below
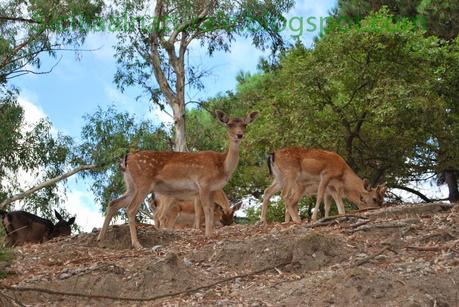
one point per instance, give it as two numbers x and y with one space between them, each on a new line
152 52
28 30
26 149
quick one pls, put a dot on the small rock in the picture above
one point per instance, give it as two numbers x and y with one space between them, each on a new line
187 262
381 257
156 248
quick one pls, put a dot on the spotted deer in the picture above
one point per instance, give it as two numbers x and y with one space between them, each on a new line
181 213
167 210
180 175
23 227
307 171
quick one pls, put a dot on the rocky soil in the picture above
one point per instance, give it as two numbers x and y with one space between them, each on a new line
397 256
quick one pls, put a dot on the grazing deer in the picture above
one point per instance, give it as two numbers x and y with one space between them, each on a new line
180 175
22 227
166 215
181 214
300 171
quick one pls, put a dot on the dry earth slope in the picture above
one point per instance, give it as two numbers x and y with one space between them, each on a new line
397 256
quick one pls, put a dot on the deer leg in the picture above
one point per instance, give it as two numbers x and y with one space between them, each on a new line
113 207
131 213
269 192
287 215
157 220
197 213
208 208
339 202
164 210
320 196
291 203
327 203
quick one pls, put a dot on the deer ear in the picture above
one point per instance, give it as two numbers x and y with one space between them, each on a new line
58 216
366 185
237 206
222 116
71 221
250 117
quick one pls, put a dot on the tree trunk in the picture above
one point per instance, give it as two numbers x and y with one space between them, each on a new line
451 181
178 109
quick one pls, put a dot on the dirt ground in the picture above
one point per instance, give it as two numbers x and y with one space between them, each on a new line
397 256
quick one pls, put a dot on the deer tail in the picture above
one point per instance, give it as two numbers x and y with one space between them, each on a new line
270 162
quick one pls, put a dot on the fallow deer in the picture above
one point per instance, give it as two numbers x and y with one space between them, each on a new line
166 210
300 171
181 175
23 227
181 214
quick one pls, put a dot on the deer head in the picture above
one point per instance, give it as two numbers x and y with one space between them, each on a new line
236 126
62 228
228 218
372 197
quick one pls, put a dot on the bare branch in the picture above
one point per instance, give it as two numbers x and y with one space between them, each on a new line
45 184
413 191
21 72
19 19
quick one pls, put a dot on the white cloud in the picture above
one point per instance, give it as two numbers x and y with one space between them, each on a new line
32 111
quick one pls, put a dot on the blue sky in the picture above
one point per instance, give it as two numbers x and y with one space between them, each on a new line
82 82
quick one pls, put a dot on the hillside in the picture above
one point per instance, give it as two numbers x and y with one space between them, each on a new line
397 256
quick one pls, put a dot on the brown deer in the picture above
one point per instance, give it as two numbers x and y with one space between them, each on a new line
300 171
167 210
23 227
180 175
181 213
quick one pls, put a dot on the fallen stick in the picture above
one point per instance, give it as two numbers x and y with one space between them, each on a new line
380 226
358 224
334 217
326 221
435 248
368 258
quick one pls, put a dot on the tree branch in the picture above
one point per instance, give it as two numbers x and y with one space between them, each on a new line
45 184
413 191
20 19
202 16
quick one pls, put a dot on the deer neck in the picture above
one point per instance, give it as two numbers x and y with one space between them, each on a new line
232 157
353 187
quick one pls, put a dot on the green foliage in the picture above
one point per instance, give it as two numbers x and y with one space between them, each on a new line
32 149
25 35
437 16
107 137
